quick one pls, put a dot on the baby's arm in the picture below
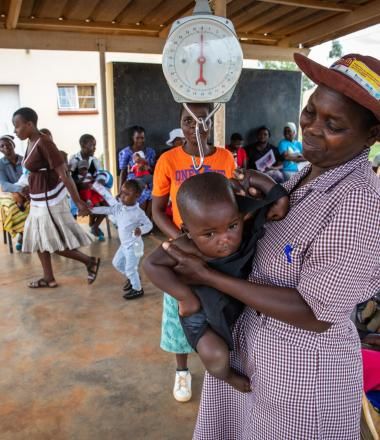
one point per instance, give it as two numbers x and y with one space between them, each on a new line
159 268
103 210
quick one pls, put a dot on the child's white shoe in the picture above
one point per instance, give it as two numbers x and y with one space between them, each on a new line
182 386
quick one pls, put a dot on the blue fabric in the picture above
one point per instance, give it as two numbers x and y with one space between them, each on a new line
173 338
126 159
126 262
374 398
9 175
294 147
106 176
73 208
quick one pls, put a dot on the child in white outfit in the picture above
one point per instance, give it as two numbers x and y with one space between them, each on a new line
132 222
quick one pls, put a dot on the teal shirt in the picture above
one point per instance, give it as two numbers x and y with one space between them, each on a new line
294 147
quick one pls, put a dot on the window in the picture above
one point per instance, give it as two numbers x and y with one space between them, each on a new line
76 98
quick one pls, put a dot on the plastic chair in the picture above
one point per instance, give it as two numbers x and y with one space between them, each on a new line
108 223
368 421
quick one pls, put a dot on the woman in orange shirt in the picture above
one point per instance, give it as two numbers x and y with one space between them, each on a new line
172 169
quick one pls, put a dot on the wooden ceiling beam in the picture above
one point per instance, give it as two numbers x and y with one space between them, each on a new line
236 11
268 17
37 8
251 12
287 22
67 9
187 10
155 12
54 40
346 21
313 20
314 4
124 12
258 37
82 26
337 34
13 14
95 10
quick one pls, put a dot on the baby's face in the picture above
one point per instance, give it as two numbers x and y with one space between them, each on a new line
216 231
83 171
128 196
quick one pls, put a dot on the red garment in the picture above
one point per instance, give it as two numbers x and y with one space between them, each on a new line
138 170
240 156
371 369
90 195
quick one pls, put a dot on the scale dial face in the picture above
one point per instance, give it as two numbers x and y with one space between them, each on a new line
202 60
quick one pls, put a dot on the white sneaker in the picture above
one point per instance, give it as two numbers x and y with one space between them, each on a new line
182 386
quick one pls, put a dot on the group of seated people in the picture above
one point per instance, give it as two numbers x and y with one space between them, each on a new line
280 162
137 161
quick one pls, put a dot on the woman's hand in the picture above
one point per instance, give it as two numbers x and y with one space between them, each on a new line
192 269
256 184
83 209
251 183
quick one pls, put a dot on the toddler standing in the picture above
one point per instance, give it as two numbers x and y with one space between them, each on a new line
132 222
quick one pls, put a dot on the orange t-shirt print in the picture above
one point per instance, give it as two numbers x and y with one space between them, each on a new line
175 166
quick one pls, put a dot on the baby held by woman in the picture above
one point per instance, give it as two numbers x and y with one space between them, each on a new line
223 229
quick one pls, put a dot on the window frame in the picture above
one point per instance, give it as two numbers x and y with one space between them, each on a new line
77 109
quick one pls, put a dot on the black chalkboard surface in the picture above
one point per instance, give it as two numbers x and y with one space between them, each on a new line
262 97
142 97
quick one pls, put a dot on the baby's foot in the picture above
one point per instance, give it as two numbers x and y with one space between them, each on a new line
240 383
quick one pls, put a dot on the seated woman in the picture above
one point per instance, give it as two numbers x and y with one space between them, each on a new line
291 151
126 162
87 144
265 157
237 150
14 198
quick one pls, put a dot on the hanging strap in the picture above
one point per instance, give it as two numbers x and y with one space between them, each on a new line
46 173
204 123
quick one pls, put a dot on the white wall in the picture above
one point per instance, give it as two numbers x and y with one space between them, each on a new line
37 74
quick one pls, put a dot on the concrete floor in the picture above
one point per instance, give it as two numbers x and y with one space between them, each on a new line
80 362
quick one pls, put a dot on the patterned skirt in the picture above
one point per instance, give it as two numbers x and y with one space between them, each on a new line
41 233
12 218
173 338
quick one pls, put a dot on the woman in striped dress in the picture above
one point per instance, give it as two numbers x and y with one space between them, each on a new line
50 227
295 340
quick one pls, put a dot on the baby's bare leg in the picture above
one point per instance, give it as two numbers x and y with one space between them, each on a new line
214 354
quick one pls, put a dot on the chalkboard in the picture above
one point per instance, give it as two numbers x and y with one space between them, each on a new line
142 97
262 97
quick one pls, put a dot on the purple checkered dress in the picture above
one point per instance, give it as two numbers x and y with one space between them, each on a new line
305 385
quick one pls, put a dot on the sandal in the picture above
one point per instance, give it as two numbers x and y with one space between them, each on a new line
133 294
91 273
42 283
